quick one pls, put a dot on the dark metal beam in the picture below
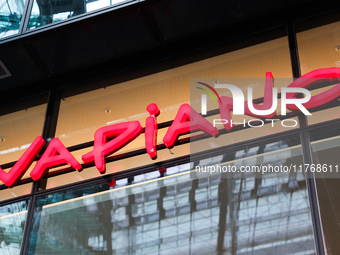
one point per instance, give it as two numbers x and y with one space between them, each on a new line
36 59
152 25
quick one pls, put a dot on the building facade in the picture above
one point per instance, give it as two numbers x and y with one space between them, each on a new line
77 76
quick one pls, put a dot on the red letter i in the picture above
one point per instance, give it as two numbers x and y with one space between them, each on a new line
151 130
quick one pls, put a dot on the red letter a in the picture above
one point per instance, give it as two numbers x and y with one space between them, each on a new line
186 121
13 176
123 132
55 155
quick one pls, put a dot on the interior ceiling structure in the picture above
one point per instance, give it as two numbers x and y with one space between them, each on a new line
134 36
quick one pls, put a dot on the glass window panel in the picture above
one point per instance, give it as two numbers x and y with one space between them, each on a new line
318 49
325 149
81 115
18 130
170 215
16 191
12 225
20 125
11 12
47 12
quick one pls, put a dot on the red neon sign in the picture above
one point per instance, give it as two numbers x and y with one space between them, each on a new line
122 134
226 104
312 78
151 129
55 155
14 175
186 120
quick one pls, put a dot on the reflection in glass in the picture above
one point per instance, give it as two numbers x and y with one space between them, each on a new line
325 150
12 225
10 16
187 212
49 11
267 213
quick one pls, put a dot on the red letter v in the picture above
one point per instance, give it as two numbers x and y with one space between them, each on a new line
55 155
13 176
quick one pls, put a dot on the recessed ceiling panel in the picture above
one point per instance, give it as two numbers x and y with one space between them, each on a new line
17 67
94 41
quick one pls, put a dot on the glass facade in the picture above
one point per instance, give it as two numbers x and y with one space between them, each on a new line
20 124
48 12
185 212
166 206
325 145
323 42
41 13
325 39
12 224
15 138
11 13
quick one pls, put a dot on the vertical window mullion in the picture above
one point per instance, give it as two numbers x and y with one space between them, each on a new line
50 125
26 16
305 143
